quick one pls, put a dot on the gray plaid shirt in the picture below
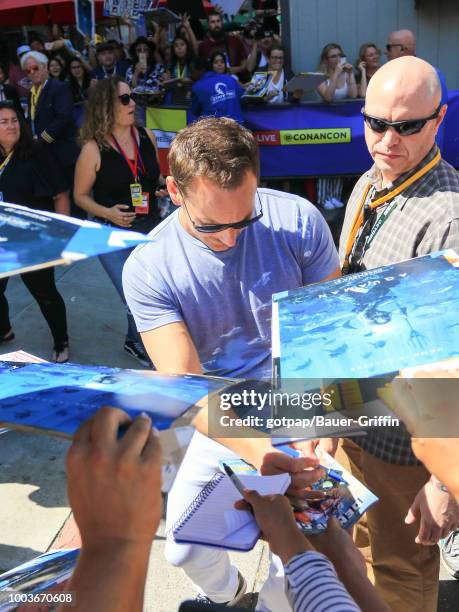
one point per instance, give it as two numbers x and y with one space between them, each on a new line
425 220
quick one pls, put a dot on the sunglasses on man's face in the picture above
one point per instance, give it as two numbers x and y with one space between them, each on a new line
389 46
215 228
125 99
32 69
404 128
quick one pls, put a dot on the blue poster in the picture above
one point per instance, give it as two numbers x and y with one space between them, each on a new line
369 324
84 18
57 398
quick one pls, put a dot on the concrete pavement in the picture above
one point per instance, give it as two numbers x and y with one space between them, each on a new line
34 507
33 502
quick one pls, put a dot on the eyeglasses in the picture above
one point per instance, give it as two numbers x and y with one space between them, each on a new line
214 228
32 69
389 46
125 99
404 128
335 55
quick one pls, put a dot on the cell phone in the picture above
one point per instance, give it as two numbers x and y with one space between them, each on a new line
48 46
342 61
143 58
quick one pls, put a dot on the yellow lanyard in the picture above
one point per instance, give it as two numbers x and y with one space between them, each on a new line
181 74
34 95
358 219
4 163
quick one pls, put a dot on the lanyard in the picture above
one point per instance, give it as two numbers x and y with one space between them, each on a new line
368 238
182 73
5 162
358 219
34 96
134 167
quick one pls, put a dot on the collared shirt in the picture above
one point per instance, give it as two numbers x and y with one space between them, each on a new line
425 220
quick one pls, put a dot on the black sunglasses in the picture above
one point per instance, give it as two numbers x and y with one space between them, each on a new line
389 47
214 228
125 99
404 128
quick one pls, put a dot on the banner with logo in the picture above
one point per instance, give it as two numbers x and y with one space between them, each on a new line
310 140
305 140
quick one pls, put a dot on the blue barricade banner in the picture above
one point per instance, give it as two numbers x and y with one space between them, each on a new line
321 139
305 140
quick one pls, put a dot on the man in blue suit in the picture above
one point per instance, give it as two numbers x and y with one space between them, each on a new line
50 114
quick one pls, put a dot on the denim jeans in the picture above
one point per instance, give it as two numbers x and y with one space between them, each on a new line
113 264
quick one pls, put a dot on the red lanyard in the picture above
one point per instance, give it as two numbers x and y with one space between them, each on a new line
134 167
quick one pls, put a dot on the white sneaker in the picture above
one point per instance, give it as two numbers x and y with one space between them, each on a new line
328 205
337 203
241 590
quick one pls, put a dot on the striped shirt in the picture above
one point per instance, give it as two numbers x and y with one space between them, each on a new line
313 586
425 219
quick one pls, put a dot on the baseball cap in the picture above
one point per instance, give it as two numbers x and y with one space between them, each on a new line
23 49
104 46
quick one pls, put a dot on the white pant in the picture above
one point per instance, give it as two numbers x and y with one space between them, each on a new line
210 568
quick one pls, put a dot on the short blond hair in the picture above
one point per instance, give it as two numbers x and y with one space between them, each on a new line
219 149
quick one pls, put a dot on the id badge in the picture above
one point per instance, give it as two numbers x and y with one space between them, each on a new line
136 194
145 208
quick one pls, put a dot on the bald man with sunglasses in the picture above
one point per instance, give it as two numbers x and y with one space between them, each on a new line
406 205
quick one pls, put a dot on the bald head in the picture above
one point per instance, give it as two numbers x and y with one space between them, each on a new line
407 89
400 43
406 82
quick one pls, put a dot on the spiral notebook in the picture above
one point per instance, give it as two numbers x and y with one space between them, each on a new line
212 520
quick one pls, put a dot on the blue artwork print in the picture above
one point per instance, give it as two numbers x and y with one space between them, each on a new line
32 239
84 17
372 323
59 397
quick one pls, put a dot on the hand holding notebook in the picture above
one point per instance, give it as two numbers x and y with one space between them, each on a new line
212 520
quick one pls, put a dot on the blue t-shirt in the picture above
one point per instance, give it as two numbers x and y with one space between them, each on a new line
217 95
224 297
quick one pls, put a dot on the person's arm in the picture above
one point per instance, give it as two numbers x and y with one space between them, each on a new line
310 574
87 166
337 545
114 489
190 34
427 404
436 511
62 203
352 85
362 86
91 53
251 61
327 88
172 350
136 72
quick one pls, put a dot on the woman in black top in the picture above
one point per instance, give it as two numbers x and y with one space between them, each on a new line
116 178
29 176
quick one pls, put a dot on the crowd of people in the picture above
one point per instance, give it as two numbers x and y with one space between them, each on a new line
198 296
194 299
